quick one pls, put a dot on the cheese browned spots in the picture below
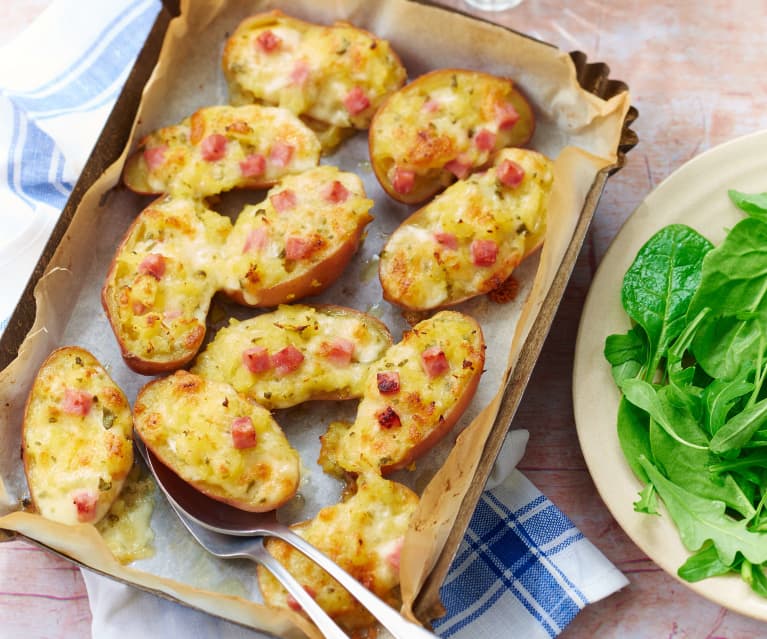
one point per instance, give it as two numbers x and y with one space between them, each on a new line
77 438
220 442
412 397
295 354
443 126
468 240
335 77
219 148
364 535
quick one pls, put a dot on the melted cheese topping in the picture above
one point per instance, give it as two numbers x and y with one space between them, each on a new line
419 272
249 130
363 535
436 119
423 404
125 528
311 331
67 454
187 421
312 68
327 227
161 317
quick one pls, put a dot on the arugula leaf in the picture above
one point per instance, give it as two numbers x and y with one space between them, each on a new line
660 283
738 431
644 396
719 399
700 520
647 502
751 203
703 564
754 577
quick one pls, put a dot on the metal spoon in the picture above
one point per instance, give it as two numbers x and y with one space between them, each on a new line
204 516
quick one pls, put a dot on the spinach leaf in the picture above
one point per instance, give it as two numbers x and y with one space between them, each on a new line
627 353
751 203
726 347
719 399
700 520
703 564
634 435
659 284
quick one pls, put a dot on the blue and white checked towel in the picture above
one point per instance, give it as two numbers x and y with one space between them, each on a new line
522 569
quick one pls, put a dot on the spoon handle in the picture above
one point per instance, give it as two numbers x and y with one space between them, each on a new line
327 626
396 624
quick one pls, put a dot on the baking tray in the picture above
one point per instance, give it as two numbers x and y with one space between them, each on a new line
593 77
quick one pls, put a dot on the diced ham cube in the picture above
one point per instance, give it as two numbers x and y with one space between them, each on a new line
356 101
256 359
154 265
484 252
485 140
431 106
300 73
268 41
287 360
298 248
76 402
139 308
281 153
86 501
243 433
253 165
336 193
434 362
284 200
294 605
403 181
448 240
506 115
213 147
256 240
339 352
387 418
155 156
510 173
388 382
171 315
459 168
393 556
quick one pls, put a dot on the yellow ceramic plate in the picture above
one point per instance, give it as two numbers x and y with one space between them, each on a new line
696 195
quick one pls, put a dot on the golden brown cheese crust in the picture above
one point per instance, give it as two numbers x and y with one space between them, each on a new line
334 77
161 281
219 148
76 438
363 534
335 347
444 124
298 240
220 442
431 260
413 396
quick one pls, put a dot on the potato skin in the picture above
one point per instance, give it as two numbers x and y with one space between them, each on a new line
320 334
219 148
432 259
406 409
445 124
76 438
333 77
190 424
160 283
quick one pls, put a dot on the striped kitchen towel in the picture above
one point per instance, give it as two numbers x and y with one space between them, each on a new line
523 568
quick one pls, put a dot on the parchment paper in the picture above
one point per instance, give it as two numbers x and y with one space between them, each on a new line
578 130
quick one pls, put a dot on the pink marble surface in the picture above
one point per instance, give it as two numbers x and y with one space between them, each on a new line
696 73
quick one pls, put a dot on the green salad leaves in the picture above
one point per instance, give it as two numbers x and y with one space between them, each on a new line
692 421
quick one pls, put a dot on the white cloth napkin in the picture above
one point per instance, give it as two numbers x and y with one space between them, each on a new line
523 568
